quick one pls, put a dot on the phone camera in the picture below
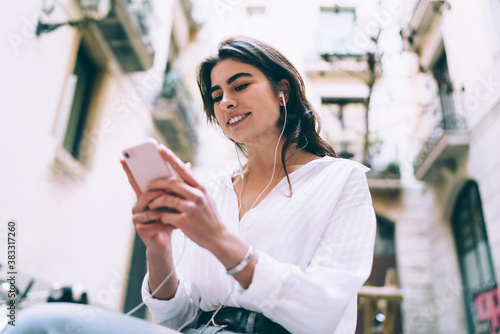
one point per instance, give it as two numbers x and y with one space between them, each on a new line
127 155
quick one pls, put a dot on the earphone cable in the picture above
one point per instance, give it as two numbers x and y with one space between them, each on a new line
184 244
270 182
163 282
274 166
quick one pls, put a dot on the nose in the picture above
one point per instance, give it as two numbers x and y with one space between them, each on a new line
227 102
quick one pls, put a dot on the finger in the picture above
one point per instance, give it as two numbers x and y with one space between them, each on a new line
170 218
145 199
167 201
131 178
174 186
148 231
147 217
180 168
156 217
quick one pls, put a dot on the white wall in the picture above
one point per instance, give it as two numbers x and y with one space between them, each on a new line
71 229
472 51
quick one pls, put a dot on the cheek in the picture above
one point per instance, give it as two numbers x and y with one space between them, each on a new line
219 117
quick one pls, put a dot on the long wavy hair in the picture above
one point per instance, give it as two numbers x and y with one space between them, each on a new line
302 123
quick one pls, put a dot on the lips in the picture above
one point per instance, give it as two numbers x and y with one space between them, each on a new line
236 118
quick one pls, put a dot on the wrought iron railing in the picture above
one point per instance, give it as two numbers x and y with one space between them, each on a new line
447 112
141 12
175 90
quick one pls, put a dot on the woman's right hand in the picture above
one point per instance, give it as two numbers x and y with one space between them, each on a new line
156 236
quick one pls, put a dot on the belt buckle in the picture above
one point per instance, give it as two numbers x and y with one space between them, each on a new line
212 319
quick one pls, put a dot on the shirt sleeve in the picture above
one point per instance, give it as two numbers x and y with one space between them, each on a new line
314 300
183 307
173 313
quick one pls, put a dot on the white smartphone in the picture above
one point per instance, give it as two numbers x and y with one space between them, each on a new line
146 164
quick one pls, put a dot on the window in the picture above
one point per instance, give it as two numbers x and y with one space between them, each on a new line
337 28
383 273
76 103
446 106
473 250
384 256
346 125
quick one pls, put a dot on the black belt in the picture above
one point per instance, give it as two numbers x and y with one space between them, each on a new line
240 320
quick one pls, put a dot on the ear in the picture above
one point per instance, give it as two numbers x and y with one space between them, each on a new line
285 88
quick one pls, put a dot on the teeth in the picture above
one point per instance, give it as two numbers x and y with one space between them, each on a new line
236 119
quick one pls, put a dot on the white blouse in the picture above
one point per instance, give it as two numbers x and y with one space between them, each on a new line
315 252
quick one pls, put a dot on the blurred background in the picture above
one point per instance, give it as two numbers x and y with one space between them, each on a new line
410 88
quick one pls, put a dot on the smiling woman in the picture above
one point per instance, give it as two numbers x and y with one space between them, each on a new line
308 214
283 245
259 59
245 104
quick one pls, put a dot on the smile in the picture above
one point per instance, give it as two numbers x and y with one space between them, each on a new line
236 119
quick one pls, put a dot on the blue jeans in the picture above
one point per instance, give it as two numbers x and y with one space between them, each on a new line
68 318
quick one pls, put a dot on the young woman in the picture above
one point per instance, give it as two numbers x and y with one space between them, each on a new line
280 246
297 226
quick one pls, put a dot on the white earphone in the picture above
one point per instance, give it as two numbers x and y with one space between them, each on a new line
282 95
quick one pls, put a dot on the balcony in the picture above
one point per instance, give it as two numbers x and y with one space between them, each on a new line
341 46
447 142
126 31
379 306
425 14
343 58
386 181
175 117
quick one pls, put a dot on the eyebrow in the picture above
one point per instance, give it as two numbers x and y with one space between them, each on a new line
231 80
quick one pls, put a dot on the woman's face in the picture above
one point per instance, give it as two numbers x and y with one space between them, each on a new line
245 105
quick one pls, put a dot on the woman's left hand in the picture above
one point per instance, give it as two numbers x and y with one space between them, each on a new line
196 213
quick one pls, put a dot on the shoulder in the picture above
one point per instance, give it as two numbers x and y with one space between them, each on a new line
339 168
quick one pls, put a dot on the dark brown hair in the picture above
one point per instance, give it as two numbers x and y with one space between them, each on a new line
302 123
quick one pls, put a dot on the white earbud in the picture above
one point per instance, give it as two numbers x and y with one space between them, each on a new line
282 96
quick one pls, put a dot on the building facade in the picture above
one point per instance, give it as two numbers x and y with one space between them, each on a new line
458 88
344 72
410 88
381 81
82 80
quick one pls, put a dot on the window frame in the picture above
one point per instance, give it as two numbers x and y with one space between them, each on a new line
64 161
323 50
468 202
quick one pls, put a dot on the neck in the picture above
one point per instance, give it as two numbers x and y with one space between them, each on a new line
262 158
264 163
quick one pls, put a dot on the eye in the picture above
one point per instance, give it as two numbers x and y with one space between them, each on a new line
241 87
216 99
